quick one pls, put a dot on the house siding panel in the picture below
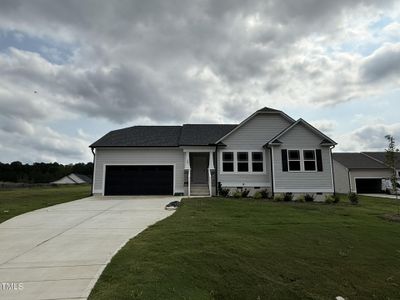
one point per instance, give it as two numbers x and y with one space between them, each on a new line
252 136
302 138
132 156
341 175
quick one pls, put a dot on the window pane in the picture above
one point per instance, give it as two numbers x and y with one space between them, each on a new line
257 156
294 165
227 167
294 154
243 167
309 165
257 167
227 156
243 156
309 154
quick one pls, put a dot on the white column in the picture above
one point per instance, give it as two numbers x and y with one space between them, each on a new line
187 167
187 161
211 161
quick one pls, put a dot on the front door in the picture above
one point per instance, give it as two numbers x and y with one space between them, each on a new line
199 165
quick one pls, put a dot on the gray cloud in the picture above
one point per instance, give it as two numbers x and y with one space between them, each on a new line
181 61
382 64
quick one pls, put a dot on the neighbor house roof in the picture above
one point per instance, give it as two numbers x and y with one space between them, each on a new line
381 156
165 136
357 161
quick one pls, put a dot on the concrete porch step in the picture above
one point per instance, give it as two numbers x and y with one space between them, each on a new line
199 190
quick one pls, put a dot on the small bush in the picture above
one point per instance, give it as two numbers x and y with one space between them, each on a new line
237 194
257 195
336 198
329 199
353 198
287 197
265 194
309 198
224 192
300 198
245 193
278 198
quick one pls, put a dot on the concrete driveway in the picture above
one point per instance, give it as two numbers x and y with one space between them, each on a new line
387 196
60 251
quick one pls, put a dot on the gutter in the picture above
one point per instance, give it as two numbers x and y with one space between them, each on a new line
333 171
216 170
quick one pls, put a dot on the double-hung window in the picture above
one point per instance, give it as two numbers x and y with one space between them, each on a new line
257 162
227 161
243 161
309 158
294 160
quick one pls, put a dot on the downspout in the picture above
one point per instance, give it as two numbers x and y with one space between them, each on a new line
333 171
94 157
216 169
348 177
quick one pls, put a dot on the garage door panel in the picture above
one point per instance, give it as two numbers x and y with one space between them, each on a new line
369 185
139 180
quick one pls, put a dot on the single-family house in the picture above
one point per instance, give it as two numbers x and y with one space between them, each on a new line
268 150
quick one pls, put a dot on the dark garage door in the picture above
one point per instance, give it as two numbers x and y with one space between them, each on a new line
139 180
369 185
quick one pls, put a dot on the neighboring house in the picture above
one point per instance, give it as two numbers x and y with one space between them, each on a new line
381 157
360 172
73 179
269 150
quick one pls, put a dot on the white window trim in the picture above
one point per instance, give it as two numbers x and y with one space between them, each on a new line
302 170
250 162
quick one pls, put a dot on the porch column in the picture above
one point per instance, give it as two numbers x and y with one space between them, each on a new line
187 170
211 171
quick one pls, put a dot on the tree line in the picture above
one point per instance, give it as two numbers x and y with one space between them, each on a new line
41 172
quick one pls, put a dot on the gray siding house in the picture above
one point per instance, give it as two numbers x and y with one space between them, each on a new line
269 150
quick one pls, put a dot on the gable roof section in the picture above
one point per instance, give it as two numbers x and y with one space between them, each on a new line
84 178
326 141
381 157
264 110
357 161
203 134
141 136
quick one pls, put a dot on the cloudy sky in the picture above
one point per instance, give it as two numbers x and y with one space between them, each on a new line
70 71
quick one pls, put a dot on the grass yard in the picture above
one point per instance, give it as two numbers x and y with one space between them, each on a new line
14 202
253 249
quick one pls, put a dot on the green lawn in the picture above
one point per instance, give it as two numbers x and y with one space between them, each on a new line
14 202
253 249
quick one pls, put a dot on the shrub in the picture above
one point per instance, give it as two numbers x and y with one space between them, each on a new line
336 198
353 198
287 197
257 195
224 192
309 198
278 198
245 193
237 194
329 199
300 198
265 194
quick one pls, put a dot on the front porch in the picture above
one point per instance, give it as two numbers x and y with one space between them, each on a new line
199 172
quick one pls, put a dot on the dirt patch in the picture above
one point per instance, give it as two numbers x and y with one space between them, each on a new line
392 217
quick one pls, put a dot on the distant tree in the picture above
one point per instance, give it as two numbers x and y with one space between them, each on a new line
391 161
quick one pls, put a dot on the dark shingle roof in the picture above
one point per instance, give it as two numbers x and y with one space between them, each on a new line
357 161
203 134
141 136
164 136
381 157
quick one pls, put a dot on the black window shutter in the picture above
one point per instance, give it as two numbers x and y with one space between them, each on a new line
284 160
319 160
